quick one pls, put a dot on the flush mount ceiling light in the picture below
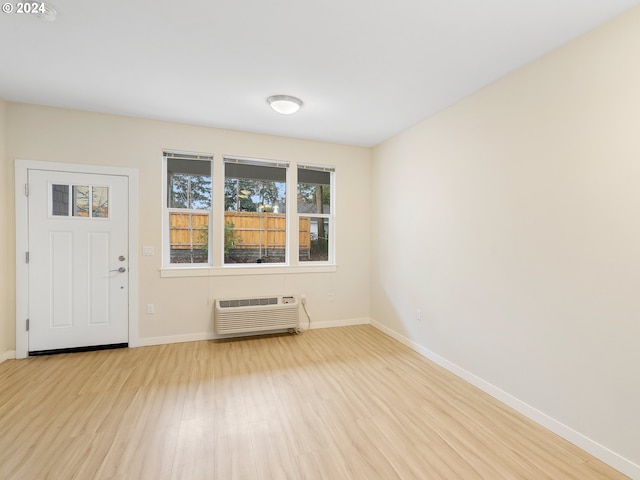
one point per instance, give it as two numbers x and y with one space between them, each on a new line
284 104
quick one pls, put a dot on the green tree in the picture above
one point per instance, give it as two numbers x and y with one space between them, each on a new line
315 196
189 191
246 195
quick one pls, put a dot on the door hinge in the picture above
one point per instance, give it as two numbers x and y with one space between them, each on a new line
26 257
26 189
27 324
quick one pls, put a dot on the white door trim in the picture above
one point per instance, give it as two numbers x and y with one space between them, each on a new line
22 242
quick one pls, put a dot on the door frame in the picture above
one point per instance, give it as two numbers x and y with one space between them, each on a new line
22 168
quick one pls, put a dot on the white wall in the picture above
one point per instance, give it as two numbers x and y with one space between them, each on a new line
512 220
6 311
184 305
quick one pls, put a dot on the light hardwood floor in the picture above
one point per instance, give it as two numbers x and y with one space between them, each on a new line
335 404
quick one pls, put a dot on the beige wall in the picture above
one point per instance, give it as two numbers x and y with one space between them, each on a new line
6 311
184 305
512 220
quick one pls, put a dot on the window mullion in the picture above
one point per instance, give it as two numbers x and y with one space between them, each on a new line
293 235
216 229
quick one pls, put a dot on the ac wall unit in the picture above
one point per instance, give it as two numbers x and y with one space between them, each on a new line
243 315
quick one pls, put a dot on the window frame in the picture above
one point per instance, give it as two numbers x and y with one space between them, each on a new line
238 160
330 216
72 204
167 211
216 265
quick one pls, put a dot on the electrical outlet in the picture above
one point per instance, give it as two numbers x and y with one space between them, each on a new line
332 297
418 315
151 308
303 298
148 250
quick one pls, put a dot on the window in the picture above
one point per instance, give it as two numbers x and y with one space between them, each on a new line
86 201
315 213
255 216
188 207
248 224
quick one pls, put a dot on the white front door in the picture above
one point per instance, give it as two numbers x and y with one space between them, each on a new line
78 260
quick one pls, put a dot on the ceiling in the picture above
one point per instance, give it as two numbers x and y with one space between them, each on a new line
364 69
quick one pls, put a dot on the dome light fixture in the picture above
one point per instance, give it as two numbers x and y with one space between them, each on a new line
285 104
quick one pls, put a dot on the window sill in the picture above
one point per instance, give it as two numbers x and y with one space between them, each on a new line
236 270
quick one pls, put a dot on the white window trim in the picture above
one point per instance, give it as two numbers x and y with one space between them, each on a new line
331 216
166 210
251 269
216 266
289 198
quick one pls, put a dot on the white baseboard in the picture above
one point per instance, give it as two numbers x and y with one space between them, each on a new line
8 355
599 451
195 337
335 323
189 337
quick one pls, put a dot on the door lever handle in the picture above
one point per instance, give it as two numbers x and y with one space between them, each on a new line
121 270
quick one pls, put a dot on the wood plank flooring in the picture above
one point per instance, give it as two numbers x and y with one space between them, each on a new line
341 403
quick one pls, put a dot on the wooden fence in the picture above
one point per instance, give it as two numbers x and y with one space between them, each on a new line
249 230
189 230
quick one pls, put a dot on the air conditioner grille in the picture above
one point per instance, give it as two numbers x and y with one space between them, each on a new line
248 302
240 315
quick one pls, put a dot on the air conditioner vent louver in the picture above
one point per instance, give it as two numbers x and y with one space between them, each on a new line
247 302
243 315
